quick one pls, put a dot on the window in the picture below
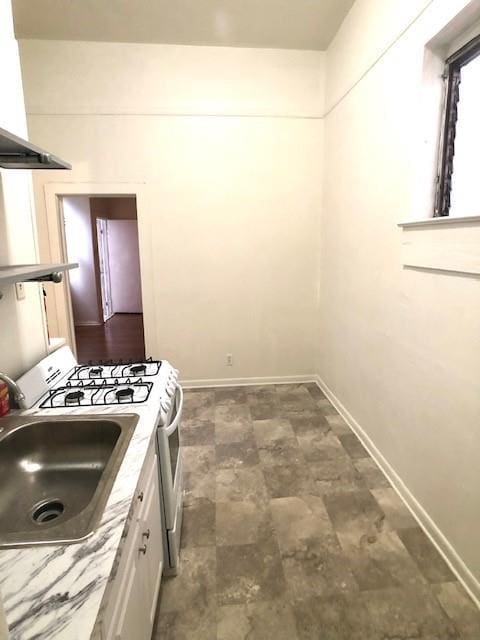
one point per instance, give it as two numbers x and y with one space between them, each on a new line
458 183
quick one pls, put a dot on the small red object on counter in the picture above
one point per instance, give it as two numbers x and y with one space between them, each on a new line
4 399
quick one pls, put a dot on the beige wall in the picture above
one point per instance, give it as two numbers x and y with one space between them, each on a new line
228 145
399 348
22 333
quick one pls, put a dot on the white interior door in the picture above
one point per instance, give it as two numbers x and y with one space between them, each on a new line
124 263
103 259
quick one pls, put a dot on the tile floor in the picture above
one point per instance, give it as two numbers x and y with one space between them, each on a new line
291 532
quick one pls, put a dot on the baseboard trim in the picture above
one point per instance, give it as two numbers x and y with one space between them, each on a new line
445 548
245 382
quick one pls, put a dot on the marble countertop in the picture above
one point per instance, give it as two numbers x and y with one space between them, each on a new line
54 592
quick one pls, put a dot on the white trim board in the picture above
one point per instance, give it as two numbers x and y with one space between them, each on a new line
245 382
444 547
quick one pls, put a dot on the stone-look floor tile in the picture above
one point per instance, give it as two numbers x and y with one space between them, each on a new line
318 446
198 528
317 567
198 459
297 518
267 431
353 446
259 394
196 416
334 476
336 617
230 395
284 481
315 391
337 424
189 624
290 387
459 608
241 484
429 561
263 411
408 612
284 451
199 486
203 433
294 398
242 522
237 454
195 585
326 407
379 560
304 425
355 514
371 473
232 423
264 620
248 573
198 405
396 512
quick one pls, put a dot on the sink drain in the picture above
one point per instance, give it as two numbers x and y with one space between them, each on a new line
47 511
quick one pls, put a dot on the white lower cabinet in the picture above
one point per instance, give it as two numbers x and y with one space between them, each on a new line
130 612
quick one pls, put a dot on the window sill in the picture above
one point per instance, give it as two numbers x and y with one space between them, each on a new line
442 245
433 222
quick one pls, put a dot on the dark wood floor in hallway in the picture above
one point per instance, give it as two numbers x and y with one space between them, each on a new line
120 338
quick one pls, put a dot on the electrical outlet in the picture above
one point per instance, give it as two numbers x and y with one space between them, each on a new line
229 360
20 290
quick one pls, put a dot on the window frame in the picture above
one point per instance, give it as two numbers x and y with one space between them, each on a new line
452 78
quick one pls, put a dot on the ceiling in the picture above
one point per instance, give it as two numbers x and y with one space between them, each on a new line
282 24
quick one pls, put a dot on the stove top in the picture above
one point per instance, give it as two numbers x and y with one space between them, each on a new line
58 381
116 370
93 393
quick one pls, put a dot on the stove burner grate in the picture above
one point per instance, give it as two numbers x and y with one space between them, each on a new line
125 394
73 398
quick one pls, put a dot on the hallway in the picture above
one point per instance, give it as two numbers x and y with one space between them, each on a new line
120 338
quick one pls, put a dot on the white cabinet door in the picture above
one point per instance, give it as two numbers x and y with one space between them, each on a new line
130 621
131 614
152 560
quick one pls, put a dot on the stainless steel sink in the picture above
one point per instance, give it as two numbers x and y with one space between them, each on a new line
56 474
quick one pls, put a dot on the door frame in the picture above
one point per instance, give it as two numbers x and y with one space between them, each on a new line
60 306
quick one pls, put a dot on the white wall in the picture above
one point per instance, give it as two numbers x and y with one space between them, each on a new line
229 144
399 348
22 332
80 248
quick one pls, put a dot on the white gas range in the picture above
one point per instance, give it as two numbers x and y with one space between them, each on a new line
58 382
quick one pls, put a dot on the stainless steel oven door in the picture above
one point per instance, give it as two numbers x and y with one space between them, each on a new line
170 458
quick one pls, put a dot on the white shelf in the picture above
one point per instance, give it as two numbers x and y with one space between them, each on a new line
10 274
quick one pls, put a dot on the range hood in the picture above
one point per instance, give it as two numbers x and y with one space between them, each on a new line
17 153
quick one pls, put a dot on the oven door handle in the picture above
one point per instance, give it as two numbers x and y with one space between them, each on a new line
178 414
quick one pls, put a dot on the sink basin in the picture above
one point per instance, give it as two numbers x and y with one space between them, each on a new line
56 474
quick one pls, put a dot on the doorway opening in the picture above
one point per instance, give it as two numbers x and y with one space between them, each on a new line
101 234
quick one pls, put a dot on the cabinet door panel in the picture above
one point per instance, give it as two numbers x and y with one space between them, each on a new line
153 558
131 623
